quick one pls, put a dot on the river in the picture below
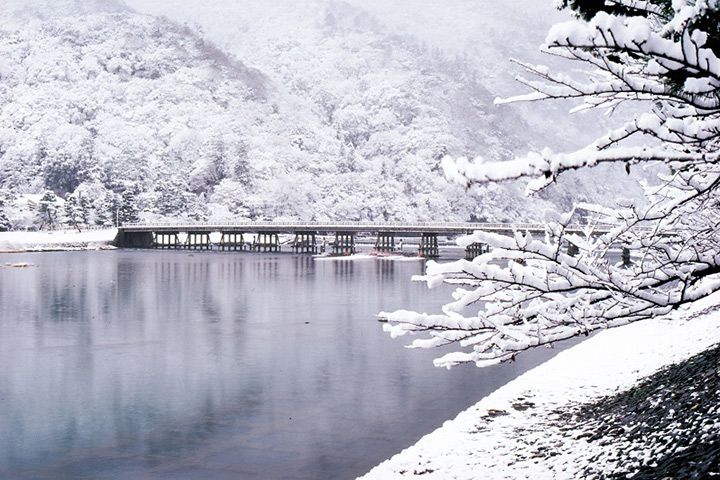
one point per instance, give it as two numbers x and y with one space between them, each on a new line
169 364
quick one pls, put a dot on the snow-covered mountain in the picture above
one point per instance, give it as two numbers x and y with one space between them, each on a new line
317 110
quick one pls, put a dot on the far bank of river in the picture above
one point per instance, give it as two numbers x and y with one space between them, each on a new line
58 240
102 238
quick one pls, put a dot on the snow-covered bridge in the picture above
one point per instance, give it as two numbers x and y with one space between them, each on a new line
266 235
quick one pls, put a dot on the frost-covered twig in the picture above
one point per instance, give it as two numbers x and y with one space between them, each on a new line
526 292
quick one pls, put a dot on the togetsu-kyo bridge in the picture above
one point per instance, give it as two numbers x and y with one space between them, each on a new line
266 236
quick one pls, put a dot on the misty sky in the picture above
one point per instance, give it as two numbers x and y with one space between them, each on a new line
485 31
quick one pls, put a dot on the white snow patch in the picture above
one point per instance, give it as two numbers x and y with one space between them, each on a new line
56 240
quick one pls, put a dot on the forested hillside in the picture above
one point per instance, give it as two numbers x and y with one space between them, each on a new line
261 110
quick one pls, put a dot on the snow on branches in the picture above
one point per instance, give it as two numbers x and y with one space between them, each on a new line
533 291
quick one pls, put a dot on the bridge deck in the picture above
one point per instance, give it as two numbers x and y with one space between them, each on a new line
357 227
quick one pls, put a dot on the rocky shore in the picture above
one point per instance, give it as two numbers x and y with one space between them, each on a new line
667 426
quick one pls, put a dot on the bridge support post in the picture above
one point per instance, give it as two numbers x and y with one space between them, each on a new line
626 259
125 239
305 242
344 243
429 245
231 241
166 240
198 241
474 250
385 242
267 242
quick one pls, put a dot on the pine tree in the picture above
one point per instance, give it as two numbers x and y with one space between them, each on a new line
4 220
5 197
171 196
47 210
71 211
84 208
128 212
76 209
108 211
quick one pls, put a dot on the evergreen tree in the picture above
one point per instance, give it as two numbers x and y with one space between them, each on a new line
4 220
48 210
128 212
76 209
84 207
171 197
71 210
108 211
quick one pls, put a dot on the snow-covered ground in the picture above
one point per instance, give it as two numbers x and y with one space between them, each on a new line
56 240
519 431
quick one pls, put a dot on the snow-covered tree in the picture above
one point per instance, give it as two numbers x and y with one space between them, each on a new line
170 196
47 210
108 209
529 291
110 97
128 210
76 209
4 220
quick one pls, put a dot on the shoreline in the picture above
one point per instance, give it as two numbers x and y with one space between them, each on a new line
562 419
58 240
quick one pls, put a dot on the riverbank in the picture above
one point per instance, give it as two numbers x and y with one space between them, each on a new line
640 401
71 239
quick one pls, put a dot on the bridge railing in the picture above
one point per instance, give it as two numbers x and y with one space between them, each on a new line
370 226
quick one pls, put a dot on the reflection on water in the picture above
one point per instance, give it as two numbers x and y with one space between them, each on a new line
215 365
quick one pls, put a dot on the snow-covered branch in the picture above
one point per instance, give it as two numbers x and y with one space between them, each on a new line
528 292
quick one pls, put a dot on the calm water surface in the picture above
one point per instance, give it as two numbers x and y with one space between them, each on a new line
146 364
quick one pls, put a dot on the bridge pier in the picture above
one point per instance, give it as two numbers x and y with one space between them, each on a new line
266 235
231 241
344 243
429 245
385 242
125 239
198 241
166 240
266 242
626 259
475 250
305 242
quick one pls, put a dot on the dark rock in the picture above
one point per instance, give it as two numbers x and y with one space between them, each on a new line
663 414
